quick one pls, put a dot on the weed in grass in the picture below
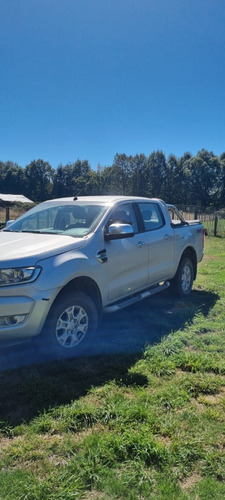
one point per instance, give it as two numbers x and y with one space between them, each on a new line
214 465
208 488
20 451
129 481
13 484
201 383
172 397
133 444
62 487
167 487
6 429
125 414
199 362
161 367
184 457
210 343
68 418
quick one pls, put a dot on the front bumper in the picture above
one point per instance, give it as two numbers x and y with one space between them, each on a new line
23 311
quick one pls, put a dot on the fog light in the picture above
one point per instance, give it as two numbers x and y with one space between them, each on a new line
15 320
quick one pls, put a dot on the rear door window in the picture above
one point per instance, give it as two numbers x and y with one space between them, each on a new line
152 216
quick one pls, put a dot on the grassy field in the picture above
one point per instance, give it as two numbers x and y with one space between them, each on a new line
145 422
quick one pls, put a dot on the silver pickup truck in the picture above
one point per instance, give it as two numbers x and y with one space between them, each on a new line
67 260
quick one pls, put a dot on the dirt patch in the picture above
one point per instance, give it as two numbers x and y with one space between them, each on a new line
199 406
190 481
94 495
213 399
165 440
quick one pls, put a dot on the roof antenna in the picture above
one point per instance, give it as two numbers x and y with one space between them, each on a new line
76 197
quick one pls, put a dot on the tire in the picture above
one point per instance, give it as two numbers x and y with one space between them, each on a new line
183 280
71 325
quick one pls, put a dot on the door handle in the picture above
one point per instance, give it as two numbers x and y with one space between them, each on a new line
140 244
101 256
167 236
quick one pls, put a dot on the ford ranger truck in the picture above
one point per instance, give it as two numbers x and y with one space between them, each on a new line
66 261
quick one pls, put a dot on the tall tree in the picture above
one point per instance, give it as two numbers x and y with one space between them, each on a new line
139 179
59 184
12 178
156 174
170 185
183 194
74 179
123 165
39 180
205 171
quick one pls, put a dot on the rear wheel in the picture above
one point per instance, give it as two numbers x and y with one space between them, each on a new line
71 324
183 281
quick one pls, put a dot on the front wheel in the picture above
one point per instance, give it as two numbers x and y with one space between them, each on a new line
183 281
71 324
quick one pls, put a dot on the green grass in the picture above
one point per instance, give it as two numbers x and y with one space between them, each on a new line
145 424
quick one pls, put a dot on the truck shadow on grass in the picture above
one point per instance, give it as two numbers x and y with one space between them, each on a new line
31 381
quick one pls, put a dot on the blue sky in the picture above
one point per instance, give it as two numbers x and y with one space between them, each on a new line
91 78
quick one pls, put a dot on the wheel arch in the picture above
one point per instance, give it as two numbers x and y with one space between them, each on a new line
86 285
191 254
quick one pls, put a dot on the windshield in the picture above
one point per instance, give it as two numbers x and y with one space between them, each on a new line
71 220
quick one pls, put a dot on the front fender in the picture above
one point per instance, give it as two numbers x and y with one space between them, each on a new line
59 270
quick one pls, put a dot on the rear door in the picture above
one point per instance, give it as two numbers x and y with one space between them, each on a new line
160 242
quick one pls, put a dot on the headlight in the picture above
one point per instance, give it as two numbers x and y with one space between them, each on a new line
18 275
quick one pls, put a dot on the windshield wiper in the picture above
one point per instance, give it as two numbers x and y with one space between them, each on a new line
19 231
28 231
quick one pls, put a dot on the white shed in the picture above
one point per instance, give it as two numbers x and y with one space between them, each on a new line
8 200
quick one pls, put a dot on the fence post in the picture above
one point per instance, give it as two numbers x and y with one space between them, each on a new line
7 216
215 225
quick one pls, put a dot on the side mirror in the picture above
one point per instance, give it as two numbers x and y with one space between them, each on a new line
117 231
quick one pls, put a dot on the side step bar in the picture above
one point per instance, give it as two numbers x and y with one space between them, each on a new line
136 298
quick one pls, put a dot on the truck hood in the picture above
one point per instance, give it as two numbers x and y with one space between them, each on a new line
19 249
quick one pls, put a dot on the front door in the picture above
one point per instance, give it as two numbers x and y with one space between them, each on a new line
127 257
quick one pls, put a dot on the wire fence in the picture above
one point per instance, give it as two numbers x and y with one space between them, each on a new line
214 224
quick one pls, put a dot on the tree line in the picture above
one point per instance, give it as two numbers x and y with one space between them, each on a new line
186 181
